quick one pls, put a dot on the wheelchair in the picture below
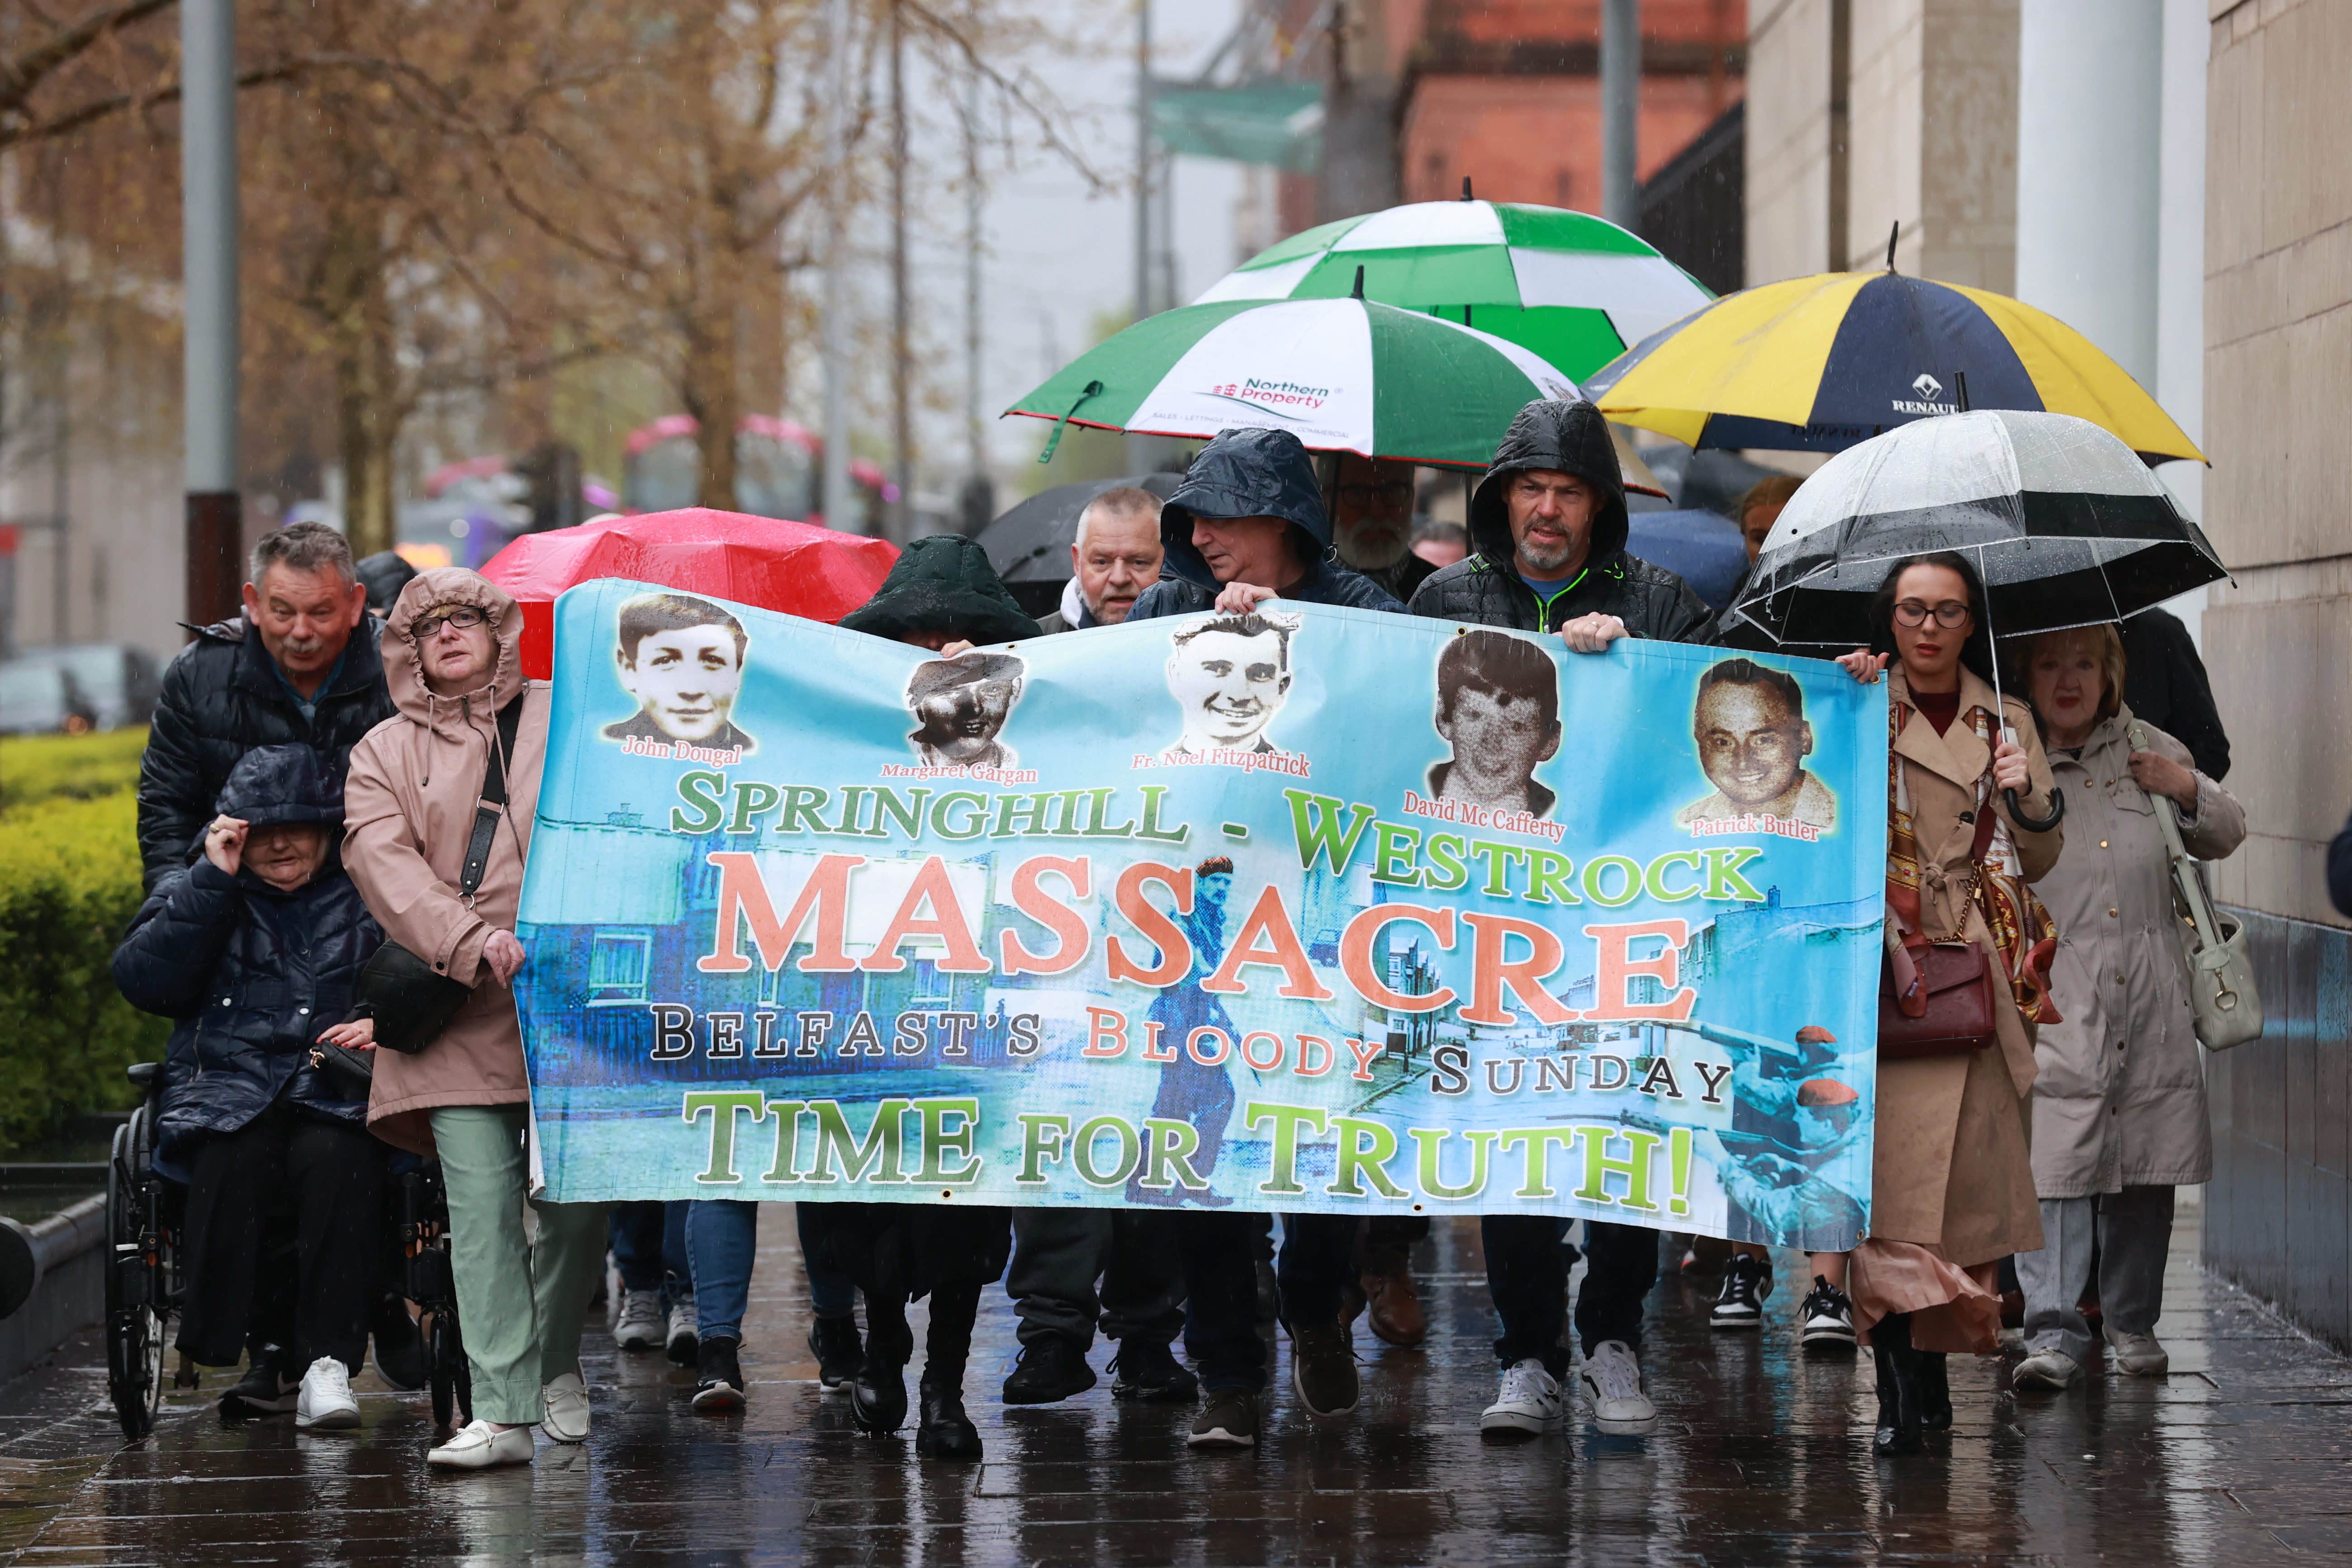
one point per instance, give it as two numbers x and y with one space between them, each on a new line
146 1284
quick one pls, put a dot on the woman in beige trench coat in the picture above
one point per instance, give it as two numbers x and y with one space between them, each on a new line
1952 1186
2119 1110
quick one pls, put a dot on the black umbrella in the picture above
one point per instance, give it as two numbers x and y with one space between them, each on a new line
2065 524
1030 541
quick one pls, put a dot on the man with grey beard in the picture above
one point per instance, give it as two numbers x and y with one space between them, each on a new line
1372 523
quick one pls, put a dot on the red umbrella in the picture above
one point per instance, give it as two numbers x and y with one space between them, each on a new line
795 567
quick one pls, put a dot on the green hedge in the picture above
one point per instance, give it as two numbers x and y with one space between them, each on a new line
68 886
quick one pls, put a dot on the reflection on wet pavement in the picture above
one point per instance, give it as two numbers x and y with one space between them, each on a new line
1759 1454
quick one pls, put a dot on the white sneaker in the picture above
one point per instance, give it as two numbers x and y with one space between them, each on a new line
325 1403
683 1342
476 1447
640 1327
1612 1386
2046 1368
1529 1404
2141 1355
563 1409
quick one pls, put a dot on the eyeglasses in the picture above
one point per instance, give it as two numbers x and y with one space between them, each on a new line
1912 613
1369 495
465 617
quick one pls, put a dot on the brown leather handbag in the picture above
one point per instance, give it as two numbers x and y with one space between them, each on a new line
1949 1012
1955 1000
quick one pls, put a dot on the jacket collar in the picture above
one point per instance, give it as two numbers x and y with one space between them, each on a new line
1956 754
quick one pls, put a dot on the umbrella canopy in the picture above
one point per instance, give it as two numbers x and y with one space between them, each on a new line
1030 541
795 567
1343 376
2066 525
1816 364
1575 289
1703 548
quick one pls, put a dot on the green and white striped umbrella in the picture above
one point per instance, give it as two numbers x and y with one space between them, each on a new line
1576 289
1340 375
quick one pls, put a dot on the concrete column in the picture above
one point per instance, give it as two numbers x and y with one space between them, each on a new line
1620 111
2180 258
2090 100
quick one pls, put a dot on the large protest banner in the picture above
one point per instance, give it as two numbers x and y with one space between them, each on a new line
1309 909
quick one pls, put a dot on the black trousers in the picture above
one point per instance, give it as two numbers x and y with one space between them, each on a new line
1527 1273
1220 1250
285 1182
1057 1255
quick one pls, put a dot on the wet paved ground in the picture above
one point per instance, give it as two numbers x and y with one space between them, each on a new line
1760 1456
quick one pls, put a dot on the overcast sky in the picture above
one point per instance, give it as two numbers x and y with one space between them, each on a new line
1057 258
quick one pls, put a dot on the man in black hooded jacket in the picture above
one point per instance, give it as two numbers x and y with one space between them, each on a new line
1549 526
1247 525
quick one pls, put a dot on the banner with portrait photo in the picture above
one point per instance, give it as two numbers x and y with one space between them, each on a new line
1307 909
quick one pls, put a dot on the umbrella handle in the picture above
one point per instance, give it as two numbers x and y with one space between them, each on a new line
2038 825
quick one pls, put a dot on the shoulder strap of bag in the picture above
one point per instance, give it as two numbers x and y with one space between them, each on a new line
2190 887
487 815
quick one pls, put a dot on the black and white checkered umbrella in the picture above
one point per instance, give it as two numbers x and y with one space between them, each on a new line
2065 523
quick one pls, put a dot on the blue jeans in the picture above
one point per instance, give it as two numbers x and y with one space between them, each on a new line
831 1295
648 1242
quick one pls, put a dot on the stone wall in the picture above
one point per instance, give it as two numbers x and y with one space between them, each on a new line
2278 390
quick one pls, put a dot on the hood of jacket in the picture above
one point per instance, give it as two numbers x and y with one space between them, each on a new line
1565 437
1245 473
274 784
403 671
943 584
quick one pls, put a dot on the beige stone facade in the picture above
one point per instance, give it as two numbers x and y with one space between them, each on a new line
2278 391
1926 139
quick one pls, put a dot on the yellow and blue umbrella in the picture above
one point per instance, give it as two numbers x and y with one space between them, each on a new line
1822 364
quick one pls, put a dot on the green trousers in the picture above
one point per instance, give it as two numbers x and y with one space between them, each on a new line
519 1303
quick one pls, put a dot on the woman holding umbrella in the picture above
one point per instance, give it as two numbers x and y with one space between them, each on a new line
1952 1183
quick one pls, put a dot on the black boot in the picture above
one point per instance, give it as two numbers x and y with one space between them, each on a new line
1898 1387
877 1396
1935 1392
946 1432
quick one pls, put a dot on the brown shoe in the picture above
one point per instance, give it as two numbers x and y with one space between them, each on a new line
1395 1307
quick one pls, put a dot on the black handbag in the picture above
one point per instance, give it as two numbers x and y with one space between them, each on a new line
410 1001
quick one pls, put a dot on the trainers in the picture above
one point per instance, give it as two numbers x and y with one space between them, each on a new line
718 1378
1825 1320
325 1403
1323 1369
1739 1304
1612 1386
2053 1368
640 1327
564 1408
1529 1404
263 1390
1148 1371
1050 1370
2139 1354
1229 1420
840 1354
476 1446
681 1342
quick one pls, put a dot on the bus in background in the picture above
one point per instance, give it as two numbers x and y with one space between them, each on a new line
777 471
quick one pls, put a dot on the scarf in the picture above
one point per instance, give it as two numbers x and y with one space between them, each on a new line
2023 935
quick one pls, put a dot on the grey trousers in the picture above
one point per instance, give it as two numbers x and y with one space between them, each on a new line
1057 1255
2132 1229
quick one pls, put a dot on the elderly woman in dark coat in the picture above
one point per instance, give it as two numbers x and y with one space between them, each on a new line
255 949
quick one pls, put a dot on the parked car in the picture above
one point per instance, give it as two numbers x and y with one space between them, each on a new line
37 697
107 685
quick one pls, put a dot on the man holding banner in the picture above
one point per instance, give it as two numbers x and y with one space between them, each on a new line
1247 526
1548 524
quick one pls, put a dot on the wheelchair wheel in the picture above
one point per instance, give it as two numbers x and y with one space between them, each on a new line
134 1325
452 1384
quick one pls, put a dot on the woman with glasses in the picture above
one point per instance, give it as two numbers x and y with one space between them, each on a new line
453 659
1952 1187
